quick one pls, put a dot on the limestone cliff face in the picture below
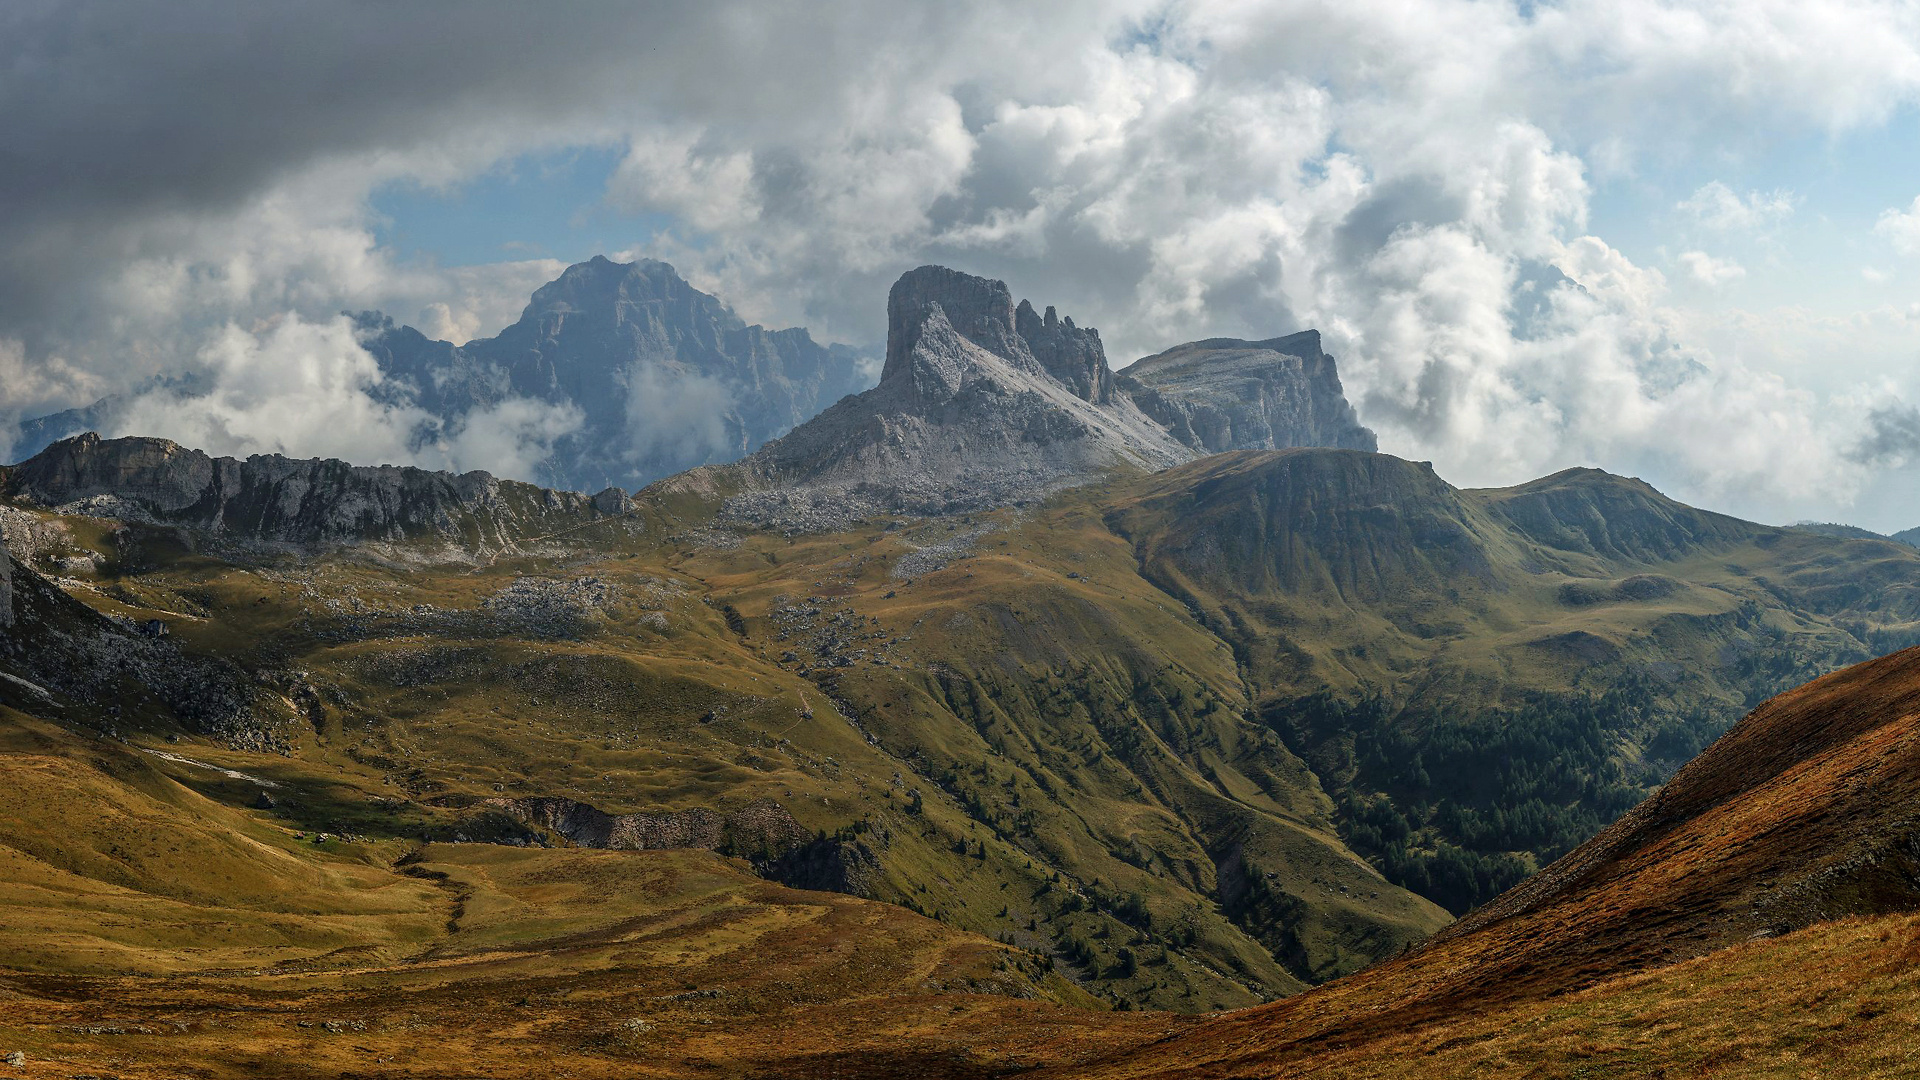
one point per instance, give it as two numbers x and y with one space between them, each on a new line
1225 394
1070 354
268 498
981 403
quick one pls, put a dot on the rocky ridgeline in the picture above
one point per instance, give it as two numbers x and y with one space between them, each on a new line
763 832
763 826
269 499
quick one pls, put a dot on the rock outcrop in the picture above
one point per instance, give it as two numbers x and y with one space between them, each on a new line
760 829
1225 394
6 587
273 499
980 404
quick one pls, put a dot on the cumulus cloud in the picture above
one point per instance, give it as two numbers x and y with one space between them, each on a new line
1412 177
308 389
1901 228
292 387
1709 271
513 438
1718 206
31 388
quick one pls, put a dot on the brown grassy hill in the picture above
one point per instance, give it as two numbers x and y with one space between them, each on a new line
1807 811
1752 919
1170 730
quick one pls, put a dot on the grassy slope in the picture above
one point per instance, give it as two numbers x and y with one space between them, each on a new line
1086 711
138 900
675 964
1534 658
1800 815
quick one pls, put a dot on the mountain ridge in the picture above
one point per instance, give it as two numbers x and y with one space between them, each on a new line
272 499
1220 394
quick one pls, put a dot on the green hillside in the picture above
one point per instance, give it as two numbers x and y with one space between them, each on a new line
1198 738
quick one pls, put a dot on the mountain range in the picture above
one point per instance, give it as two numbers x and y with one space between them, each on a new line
1075 691
665 378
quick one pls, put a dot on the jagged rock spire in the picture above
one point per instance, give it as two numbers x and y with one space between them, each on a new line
982 311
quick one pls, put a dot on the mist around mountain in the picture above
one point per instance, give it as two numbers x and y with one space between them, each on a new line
647 375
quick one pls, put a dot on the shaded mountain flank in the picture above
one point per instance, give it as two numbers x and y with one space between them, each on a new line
1484 678
1805 812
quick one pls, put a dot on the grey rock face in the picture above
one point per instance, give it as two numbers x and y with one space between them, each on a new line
1072 355
268 498
760 826
665 376
6 587
967 415
1225 394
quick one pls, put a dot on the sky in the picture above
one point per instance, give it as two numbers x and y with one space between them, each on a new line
1672 239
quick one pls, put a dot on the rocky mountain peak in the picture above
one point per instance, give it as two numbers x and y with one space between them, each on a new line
611 342
977 309
981 404
982 311
613 290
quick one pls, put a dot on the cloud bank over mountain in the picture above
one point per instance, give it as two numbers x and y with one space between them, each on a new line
191 188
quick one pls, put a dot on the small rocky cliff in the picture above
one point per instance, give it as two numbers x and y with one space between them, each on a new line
273 499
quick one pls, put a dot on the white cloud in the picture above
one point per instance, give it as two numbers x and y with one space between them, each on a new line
1709 271
1901 228
31 388
676 413
307 389
291 387
510 439
669 171
1720 207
